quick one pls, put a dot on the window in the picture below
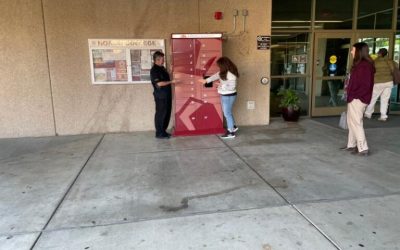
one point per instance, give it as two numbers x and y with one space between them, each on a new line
374 14
290 60
291 14
337 14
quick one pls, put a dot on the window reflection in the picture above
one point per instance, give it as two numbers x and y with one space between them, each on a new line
289 54
329 48
291 44
395 95
291 14
375 43
329 93
336 14
289 67
299 84
374 15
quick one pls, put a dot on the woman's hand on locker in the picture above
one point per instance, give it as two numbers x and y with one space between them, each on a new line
202 81
175 81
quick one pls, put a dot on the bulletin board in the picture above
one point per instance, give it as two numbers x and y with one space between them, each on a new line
122 61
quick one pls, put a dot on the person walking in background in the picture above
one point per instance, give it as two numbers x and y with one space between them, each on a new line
383 84
162 95
227 76
359 94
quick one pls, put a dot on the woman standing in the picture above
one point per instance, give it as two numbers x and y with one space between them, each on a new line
227 77
359 93
383 84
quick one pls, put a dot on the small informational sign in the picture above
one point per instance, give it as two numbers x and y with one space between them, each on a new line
332 59
263 42
122 61
299 58
302 58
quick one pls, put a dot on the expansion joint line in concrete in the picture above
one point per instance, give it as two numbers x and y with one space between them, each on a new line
48 69
66 192
255 171
316 227
283 197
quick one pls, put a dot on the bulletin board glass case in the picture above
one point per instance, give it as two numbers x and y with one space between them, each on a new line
122 61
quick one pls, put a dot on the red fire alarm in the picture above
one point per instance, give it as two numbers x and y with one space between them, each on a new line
218 15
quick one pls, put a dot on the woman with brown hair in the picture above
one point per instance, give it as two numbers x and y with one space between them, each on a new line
383 84
359 94
227 76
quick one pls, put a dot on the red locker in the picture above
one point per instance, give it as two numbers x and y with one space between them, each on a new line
197 109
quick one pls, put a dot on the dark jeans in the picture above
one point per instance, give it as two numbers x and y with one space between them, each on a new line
163 114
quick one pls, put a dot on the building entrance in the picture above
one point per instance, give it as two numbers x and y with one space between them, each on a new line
310 48
332 63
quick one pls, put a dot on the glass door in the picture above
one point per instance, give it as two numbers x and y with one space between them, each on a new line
290 68
377 40
331 61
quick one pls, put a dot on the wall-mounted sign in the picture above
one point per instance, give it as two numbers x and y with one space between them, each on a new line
299 58
263 42
122 61
332 59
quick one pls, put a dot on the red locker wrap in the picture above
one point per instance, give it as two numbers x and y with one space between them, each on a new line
197 109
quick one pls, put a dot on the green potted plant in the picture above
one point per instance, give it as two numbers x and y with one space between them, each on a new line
290 102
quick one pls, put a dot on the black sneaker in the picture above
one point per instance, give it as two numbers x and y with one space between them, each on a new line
228 135
362 153
351 149
162 137
235 129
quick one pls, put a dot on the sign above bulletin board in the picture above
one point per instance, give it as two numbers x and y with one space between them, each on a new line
122 61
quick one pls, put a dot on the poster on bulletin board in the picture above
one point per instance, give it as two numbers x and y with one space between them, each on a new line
122 61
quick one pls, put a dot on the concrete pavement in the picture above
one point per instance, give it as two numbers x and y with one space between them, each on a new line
282 186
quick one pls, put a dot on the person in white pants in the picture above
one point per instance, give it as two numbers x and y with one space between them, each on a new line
359 93
383 84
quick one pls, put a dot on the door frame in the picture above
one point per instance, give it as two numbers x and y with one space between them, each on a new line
326 111
392 39
354 36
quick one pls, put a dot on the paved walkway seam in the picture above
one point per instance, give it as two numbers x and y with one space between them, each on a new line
286 200
66 193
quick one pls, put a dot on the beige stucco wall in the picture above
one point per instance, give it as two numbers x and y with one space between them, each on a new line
79 106
25 97
241 47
